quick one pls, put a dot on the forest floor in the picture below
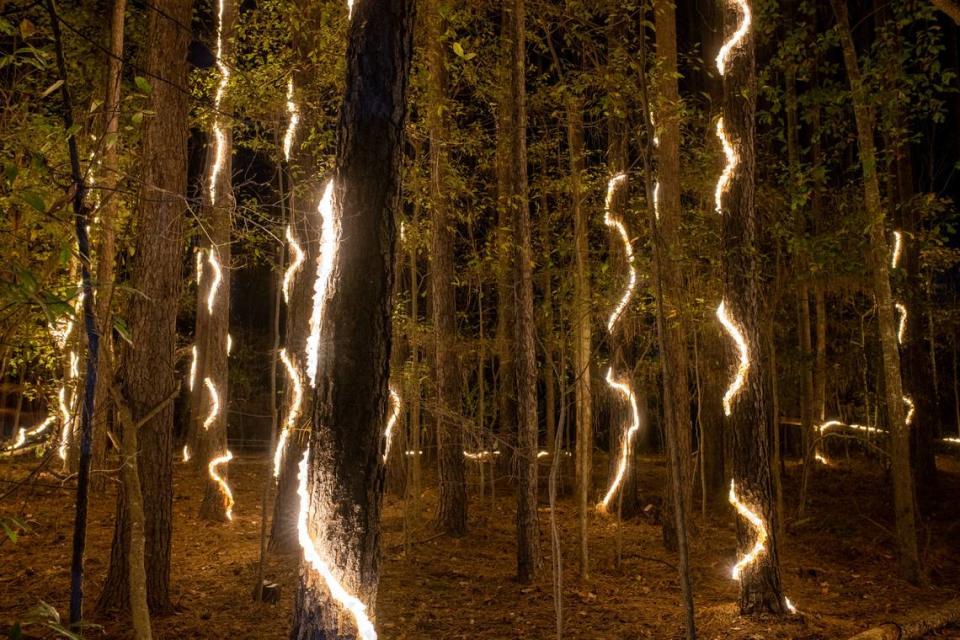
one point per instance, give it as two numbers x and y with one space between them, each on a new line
838 561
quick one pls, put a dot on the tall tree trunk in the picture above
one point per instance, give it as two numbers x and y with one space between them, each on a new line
147 369
582 324
345 471
525 356
903 498
749 419
106 257
452 507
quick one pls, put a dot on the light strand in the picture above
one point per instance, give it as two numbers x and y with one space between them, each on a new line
743 366
897 249
298 257
329 246
224 487
319 564
214 263
627 441
186 453
214 404
292 123
723 56
218 133
395 405
613 223
761 530
732 160
911 409
193 367
902 326
293 413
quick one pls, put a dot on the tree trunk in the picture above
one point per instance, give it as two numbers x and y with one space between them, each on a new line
344 482
148 367
903 497
749 419
452 507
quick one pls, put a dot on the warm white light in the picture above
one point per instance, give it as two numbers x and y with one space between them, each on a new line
790 606
542 454
293 413
819 457
317 561
484 454
759 527
730 165
186 453
199 259
656 200
350 9
214 404
74 364
836 424
218 133
229 343
409 453
395 405
897 248
214 263
902 329
743 366
626 443
724 55
193 367
294 113
21 438
66 419
952 440
908 419
329 245
298 255
224 487
612 222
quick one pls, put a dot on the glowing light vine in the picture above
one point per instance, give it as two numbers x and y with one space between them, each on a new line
613 223
193 367
66 420
723 56
911 409
218 132
214 263
329 246
186 453
395 405
292 123
214 404
224 487
298 256
902 327
732 160
318 563
627 392
199 260
293 413
757 523
743 367
897 249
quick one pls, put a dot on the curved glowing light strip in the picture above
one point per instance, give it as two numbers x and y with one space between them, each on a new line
952 440
224 487
317 562
221 138
191 380
67 419
732 160
395 405
186 453
656 200
199 258
293 414
743 367
21 438
830 424
298 257
329 245
214 262
760 545
627 392
350 9
723 56
43 426
479 455
229 343
911 409
214 404
292 124
819 457
613 223
897 249
74 364
902 329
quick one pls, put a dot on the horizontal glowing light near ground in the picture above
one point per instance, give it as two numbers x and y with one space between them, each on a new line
911 409
319 564
193 367
819 457
413 453
217 279
897 248
625 445
758 525
292 123
952 440
479 455
293 414
395 405
224 487
214 404
297 252
790 606
21 438
743 366
613 223
219 135
732 160
723 55
902 329
186 453
831 424
329 244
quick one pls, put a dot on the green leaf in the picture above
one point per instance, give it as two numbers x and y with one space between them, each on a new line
137 118
458 49
34 200
142 84
120 325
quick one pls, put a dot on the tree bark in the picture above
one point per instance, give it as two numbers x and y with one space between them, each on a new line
346 471
452 507
903 498
148 367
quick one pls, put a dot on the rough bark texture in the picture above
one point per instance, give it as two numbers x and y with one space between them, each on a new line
148 370
452 507
760 589
345 480
903 498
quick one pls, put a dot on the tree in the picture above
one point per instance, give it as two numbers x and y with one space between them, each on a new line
752 484
344 480
148 366
903 498
452 508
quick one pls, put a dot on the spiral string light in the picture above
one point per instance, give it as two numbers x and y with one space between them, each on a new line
902 311
743 366
911 409
25 434
627 392
622 386
224 487
293 413
732 160
294 113
218 132
214 404
395 405
193 367
329 246
318 561
723 56
759 527
298 257
214 263
897 249
902 327
66 422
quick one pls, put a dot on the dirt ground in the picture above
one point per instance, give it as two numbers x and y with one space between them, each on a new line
838 562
